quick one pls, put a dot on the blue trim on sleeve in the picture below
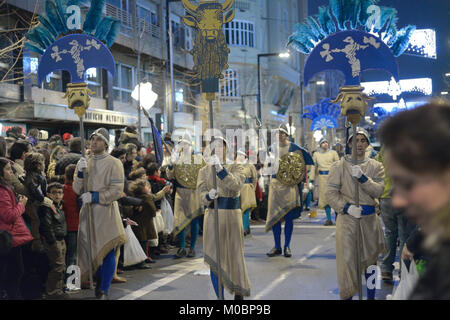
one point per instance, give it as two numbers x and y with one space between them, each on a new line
222 174
80 174
363 178
95 196
346 207
308 159
170 167
207 197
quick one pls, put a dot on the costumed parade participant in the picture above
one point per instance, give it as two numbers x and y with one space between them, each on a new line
285 198
340 194
105 181
187 207
248 191
230 180
323 159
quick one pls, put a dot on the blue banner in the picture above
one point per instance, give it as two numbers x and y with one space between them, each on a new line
75 53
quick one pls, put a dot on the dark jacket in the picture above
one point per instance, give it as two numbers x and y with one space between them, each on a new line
146 228
434 284
70 158
36 185
156 187
53 224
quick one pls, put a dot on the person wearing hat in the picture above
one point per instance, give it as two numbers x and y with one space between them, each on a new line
105 181
340 194
323 159
187 206
284 201
230 179
248 191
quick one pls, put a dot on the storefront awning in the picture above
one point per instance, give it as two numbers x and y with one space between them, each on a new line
29 111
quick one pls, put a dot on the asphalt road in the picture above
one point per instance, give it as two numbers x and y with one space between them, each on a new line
310 274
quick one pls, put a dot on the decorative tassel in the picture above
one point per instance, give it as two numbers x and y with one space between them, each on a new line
34 48
103 28
53 16
43 20
93 16
403 37
337 9
112 34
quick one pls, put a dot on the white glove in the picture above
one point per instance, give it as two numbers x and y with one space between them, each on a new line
174 157
357 172
213 194
215 161
311 186
305 191
86 197
354 211
82 164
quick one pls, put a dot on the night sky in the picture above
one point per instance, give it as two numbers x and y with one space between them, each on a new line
424 14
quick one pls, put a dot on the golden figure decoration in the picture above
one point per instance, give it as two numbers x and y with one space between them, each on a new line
353 102
77 95
210 51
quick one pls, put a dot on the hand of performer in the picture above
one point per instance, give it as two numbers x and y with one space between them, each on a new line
354 211
82 164
357 172
174 157
213 194
86 197
311 186
215 161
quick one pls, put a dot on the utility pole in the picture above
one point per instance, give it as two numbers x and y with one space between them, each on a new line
169 68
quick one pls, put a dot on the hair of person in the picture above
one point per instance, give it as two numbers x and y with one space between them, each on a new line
136 174
17 150
34 132
3 163
70 171
152 168
75 144
131 129
136 188
2 147
419 139
54 185
130 147
32 160
118 151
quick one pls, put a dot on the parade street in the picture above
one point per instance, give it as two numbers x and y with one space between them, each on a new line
310 274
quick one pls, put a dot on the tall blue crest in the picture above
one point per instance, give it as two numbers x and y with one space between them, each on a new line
341 15
53 26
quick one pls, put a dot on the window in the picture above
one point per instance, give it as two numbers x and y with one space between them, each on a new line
178 32
123 83
240 33
229 85
149 21
94 81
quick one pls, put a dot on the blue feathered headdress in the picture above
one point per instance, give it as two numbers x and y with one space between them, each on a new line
342 15
53 25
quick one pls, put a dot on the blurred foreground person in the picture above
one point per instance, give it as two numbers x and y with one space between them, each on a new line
418 158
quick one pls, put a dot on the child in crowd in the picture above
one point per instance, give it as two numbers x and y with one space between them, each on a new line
53 229
71 206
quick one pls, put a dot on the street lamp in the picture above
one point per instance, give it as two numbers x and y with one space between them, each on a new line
280 55
145 96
